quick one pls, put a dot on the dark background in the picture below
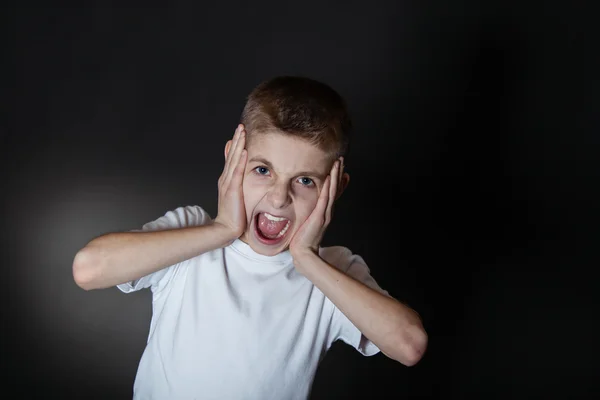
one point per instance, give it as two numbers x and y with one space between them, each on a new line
474 192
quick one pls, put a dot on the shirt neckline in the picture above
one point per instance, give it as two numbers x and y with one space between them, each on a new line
245 250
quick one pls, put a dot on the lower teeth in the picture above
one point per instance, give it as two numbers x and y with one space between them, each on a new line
280 234
284 230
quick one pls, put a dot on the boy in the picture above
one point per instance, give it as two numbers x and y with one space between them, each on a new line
245 305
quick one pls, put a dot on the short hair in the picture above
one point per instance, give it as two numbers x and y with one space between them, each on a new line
301 107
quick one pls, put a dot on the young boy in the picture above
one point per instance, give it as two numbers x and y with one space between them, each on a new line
245 305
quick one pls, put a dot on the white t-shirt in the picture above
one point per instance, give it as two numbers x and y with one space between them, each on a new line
233 324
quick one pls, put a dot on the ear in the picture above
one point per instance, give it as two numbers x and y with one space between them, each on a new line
227 147
344 181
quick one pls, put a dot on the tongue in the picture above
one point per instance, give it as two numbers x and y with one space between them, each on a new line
268 227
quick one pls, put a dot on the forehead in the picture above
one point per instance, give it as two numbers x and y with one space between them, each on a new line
288 154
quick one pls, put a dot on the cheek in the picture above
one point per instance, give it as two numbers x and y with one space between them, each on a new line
308 197
248 196
253 193
306 202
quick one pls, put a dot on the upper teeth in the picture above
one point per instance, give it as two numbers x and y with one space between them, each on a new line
274 218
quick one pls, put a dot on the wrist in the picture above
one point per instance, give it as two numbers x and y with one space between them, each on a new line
303 257
223 234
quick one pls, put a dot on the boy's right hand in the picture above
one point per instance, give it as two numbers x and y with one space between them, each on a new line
231 213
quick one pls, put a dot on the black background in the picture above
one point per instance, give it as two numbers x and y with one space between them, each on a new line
474 177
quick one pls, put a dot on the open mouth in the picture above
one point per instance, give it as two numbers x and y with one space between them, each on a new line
271 229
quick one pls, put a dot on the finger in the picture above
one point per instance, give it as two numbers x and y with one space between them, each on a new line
235 155
335 178
332 190
232 140
341 173
228 158
238 172
321 206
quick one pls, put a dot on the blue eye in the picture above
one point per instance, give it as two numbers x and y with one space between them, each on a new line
261 170
306 181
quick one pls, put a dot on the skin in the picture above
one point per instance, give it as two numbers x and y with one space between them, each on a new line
301 183
283 176
291 178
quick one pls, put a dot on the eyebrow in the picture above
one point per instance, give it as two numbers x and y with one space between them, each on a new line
268 164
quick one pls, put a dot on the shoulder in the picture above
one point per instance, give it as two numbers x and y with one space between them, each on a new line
190 215
350 264
180 217
340 257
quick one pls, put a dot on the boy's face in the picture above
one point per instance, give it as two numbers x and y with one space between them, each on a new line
282 181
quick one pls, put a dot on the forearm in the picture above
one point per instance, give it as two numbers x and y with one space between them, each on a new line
393 327
121 257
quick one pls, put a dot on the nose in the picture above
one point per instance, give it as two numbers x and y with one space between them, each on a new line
279 196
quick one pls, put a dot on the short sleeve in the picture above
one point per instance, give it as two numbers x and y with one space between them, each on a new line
341 327
181 217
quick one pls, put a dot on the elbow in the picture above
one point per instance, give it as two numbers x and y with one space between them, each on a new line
411 346
416 349
85 269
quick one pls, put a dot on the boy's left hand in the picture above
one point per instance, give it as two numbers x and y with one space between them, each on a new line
309 236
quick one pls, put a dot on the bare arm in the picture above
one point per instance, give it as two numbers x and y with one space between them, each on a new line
117 258
395 328
121 257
